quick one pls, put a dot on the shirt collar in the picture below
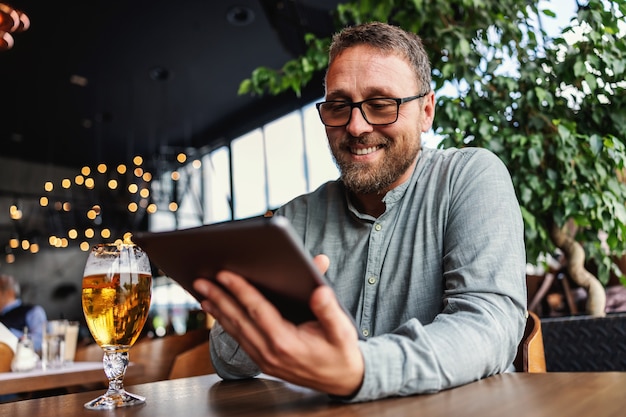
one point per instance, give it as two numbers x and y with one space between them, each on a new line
11 306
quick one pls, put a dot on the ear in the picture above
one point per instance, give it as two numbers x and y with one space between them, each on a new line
428 111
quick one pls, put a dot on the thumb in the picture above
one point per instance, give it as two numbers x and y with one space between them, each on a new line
322 262
336 323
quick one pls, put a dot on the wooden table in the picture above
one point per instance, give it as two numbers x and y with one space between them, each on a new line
77 373
510 395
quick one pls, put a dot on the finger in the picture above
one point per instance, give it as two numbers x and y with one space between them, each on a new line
257 307
231 315
213 294
336 323
202 285
253 321
322 262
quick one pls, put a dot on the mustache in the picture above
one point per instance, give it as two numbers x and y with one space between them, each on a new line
367 140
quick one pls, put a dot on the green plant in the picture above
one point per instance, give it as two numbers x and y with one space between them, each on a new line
553 109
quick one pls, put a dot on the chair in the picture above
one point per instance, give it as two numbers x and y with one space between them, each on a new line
6 356
88 353
585 343
193 362
158 355
530 353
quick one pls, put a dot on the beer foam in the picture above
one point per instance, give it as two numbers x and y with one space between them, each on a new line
123 259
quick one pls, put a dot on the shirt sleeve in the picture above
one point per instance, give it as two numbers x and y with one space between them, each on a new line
484 302
229 360
35 320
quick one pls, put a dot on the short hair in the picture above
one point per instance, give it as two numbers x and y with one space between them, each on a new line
8 283
389 39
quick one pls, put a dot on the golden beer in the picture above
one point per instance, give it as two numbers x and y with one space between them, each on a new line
117 287
116 307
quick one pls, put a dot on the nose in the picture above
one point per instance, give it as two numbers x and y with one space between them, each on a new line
357 125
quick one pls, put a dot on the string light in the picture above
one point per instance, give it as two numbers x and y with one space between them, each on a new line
34 248
15 213
90 181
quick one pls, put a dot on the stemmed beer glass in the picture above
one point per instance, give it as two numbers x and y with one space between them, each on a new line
117 287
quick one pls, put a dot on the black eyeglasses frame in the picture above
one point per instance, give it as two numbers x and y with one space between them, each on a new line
359 105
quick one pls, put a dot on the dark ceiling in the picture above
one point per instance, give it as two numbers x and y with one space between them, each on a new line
100 81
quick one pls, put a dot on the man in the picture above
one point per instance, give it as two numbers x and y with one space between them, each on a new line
16 315
423 247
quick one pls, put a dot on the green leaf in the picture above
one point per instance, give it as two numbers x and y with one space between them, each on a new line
533 158
580 69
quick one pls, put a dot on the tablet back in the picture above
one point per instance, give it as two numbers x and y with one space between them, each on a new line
266 251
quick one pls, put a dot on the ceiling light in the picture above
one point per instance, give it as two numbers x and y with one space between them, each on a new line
159 74
11 21
240 16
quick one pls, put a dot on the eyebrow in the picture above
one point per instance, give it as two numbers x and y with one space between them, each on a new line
342 95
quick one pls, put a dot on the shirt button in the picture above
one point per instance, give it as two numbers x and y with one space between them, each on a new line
378 227
365 332
372 280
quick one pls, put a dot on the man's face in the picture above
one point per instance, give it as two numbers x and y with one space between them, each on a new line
375 159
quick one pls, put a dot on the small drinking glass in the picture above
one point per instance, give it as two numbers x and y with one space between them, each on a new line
53 344
117 287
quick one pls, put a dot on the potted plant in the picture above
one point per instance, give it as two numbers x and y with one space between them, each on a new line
552 108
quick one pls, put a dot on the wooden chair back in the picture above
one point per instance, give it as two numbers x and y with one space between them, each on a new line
530 352
88 353
157 355
6 356
193 362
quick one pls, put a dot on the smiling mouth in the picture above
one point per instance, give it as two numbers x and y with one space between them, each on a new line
365 151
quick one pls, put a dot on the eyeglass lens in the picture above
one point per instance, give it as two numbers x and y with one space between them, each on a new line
376 111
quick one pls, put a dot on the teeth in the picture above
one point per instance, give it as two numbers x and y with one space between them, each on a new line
365 151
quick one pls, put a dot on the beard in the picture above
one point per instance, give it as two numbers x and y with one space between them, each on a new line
366 178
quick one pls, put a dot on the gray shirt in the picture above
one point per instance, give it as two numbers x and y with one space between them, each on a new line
436 284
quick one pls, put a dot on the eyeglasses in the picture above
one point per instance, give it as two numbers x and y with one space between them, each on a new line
375 111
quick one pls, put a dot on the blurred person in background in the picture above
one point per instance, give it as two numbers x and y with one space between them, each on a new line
17 315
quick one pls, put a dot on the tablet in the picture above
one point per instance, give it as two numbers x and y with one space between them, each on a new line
264 250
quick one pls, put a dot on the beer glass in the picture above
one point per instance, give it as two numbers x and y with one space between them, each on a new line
117 287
